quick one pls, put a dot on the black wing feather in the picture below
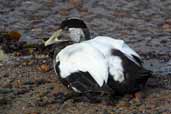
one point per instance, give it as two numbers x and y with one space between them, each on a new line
135 75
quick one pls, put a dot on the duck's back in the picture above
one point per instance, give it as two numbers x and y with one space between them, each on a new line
126 73
106 44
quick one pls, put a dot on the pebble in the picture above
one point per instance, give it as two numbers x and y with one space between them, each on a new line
6 90
3 100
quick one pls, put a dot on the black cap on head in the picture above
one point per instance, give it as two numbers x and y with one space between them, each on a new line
74 22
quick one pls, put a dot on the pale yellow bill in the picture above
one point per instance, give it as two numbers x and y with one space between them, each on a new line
54 38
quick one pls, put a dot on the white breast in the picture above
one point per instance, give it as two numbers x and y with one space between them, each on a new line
83 57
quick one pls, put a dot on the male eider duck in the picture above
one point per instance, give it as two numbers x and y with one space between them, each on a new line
92 65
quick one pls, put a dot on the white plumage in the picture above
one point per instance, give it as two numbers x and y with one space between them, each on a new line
94 56
83 57
75 34
105 44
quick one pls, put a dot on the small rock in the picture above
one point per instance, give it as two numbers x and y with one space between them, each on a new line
106 112
22 91
64 12
168 21
75 3
139 96
166 27
34 113
163 41
29 82
3 101
14 35
5 90
119 13
123 105
3 56
6 75
25 63
43 68
40 81
18 84
59 97
84 13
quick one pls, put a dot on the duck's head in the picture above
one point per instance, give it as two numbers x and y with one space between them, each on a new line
70 30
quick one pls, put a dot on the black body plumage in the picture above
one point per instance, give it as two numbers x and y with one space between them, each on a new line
135 76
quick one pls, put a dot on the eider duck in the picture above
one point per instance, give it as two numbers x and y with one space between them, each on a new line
99 64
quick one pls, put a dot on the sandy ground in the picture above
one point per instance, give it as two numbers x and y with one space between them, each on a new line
24 89
145 25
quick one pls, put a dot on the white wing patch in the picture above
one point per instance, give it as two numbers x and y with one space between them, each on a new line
105 44
94 56
83 57
115 68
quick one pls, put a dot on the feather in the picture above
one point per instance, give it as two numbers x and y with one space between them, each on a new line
83 57
106 44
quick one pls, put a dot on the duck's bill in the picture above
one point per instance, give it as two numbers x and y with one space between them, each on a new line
54 38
